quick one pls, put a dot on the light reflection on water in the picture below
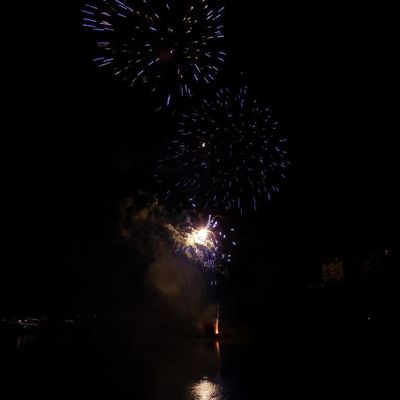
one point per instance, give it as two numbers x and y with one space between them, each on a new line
26 340
186 370
205 389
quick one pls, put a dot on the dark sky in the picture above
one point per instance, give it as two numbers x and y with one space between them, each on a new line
76 141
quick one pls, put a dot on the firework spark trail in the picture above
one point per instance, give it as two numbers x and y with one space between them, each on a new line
227 153
169 45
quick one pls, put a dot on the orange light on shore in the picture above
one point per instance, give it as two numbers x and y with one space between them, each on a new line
216 327
216 323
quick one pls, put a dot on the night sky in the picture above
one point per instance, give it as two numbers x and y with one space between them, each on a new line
76 141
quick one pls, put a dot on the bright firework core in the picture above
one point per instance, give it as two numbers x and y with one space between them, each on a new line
203 244
200 236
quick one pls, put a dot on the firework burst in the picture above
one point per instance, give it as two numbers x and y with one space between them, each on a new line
203 243
228 153
170 45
